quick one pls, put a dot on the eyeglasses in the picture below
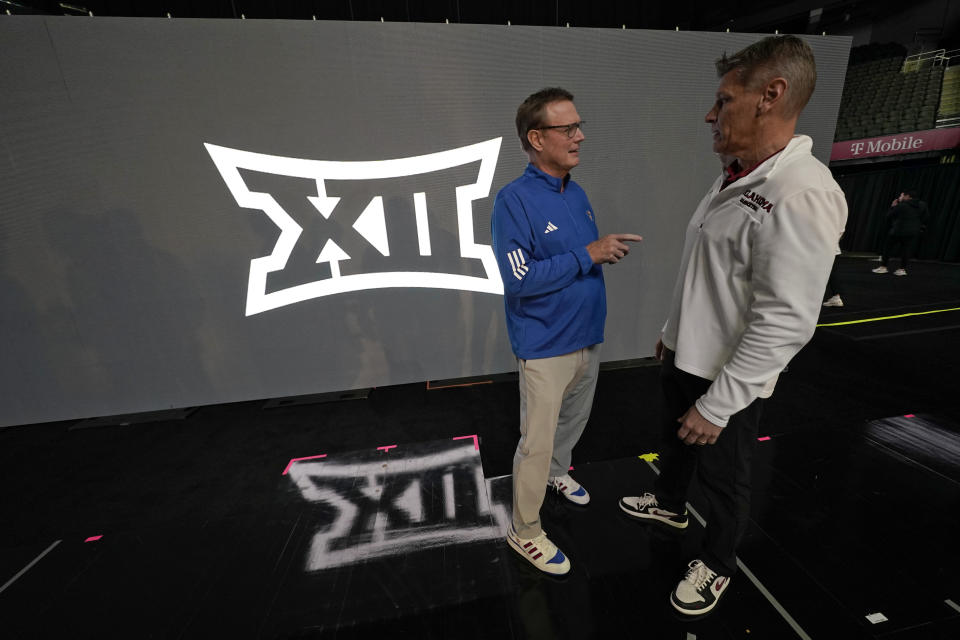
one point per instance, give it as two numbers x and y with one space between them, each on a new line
569 129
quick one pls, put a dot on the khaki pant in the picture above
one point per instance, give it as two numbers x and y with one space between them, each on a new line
556 395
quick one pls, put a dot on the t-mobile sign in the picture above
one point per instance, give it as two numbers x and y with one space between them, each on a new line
897 144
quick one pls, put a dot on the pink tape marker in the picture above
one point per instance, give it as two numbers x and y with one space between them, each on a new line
571 468
909 415
764 438
476 442
93 538
292 460
387 447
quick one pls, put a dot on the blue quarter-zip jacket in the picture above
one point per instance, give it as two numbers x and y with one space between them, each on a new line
555 299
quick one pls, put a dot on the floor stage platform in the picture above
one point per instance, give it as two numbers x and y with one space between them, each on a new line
384 516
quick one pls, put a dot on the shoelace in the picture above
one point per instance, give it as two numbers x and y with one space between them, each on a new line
699 575
542 543
558 481
647 500
547 548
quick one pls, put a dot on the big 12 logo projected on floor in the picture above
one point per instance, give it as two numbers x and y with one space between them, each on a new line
341 270
366 509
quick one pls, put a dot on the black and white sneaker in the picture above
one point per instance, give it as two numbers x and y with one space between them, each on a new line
699 591
646 508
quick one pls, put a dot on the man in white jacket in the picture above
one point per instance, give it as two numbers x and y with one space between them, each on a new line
755 262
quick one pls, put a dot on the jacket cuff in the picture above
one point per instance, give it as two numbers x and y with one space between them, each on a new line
583 257
709 415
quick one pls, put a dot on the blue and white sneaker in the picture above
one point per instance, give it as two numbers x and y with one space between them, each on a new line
541 553
569 488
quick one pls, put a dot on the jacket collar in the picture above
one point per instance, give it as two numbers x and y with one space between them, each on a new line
554 184
798 145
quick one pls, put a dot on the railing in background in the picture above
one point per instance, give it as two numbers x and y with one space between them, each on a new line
948 112
935 58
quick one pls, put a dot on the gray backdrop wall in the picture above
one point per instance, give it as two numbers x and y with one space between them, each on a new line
169 186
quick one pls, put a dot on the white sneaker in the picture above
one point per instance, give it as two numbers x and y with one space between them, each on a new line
570 488
699 590
646 507
541 553
900 272
880 269
834 301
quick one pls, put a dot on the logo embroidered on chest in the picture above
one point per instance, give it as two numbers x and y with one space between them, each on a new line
551 227
755 201
590 214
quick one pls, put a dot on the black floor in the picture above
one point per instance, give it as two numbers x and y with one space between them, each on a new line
209 530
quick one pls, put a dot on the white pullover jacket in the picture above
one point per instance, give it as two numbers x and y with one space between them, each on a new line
755 264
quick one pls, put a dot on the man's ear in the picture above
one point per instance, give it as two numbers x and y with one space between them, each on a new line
533 137
773 94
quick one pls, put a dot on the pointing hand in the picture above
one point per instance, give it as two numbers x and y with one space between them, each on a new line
611 248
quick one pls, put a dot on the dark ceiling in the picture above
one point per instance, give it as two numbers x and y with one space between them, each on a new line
738 15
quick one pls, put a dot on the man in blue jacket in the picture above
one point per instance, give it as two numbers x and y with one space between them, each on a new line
547 247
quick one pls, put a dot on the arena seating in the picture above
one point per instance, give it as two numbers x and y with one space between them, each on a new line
887 93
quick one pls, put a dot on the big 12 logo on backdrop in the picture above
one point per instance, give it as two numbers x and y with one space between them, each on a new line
387 236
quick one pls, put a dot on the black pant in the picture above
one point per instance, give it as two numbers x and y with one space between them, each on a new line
833 283
904 246
723 469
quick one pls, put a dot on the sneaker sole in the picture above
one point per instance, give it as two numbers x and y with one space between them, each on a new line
643 516
692 614
569 499
545 569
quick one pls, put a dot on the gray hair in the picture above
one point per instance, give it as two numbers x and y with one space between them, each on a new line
786 57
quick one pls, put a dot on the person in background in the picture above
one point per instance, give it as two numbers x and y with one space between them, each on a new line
832 294
906 220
